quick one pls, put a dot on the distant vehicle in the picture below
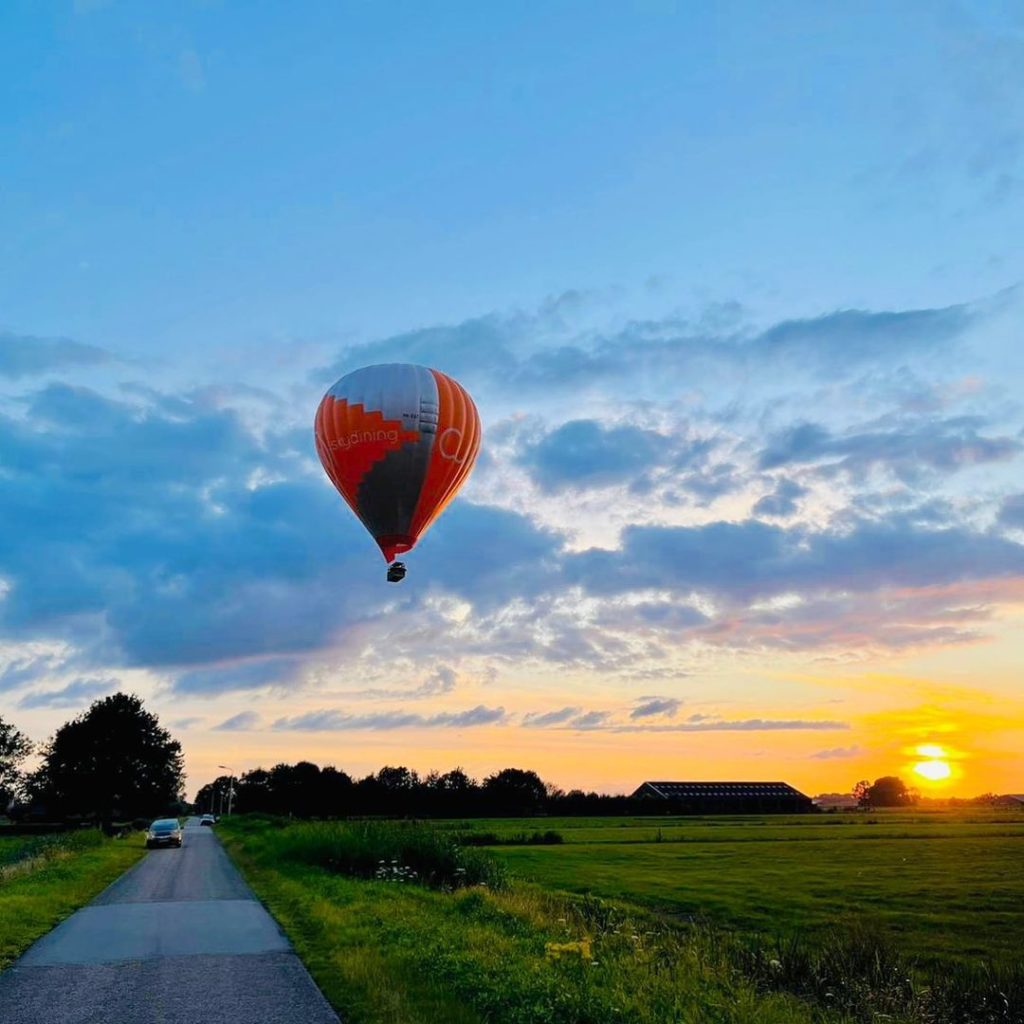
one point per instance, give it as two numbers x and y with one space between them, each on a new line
207 819
163 832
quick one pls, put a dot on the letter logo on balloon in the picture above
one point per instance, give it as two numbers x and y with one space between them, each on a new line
448 444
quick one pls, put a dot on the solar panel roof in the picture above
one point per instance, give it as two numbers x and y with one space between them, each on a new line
707 789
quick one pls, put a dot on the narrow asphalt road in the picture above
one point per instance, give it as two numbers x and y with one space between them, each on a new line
178 939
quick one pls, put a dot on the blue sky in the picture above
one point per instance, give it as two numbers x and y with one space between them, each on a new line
736 288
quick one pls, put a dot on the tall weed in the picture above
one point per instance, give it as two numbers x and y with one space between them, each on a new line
387 849
860 972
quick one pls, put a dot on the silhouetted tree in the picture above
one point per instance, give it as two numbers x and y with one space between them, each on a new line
14 748
213 797
399 788
252 792
513 791
862 791
335 794
451 794
455 781
398 780
890 791
296 789
302 790
113 760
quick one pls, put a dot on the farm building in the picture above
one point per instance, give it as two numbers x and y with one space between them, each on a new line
1015 800
836 802
726 797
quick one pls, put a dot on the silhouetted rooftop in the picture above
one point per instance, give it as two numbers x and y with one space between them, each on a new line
678 790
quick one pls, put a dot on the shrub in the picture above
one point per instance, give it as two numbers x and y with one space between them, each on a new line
405 851
548 838
479 839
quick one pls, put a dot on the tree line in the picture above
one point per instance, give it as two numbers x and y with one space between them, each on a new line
305 790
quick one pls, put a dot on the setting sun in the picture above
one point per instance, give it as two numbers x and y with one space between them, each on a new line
933 771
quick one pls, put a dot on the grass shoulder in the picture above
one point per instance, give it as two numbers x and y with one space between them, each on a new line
44 879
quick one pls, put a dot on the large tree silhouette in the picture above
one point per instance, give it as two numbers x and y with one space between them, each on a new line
890 791
112 761
513 791
14 748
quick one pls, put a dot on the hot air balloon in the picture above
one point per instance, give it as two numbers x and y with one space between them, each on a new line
398 441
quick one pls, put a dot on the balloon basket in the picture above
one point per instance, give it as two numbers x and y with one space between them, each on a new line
396 572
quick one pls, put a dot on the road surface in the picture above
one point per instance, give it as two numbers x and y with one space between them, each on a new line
178 939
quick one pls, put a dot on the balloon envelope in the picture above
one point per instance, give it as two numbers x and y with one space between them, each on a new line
398 441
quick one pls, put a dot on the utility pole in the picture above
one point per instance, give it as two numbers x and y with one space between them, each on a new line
231 785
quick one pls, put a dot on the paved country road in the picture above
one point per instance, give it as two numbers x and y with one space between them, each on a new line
178 939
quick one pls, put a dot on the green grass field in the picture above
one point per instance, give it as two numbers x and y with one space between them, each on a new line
707 921
405 953
946 887
43 879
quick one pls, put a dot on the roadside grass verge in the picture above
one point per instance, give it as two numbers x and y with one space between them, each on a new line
43 879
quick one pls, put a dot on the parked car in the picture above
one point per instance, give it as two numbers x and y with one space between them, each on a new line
164 832
207 819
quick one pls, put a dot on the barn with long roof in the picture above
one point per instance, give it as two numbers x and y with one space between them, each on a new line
725 797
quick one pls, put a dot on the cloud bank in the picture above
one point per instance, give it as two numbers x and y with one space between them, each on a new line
177 532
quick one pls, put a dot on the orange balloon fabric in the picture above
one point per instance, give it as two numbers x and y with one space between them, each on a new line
398 441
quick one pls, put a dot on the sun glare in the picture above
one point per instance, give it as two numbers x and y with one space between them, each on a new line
932 750
933 771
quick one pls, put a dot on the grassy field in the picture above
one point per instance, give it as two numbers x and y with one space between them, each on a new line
45 878
395 952
945 887
542 952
